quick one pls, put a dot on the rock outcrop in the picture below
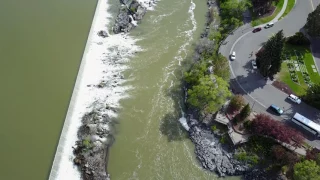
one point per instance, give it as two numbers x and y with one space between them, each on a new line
91 150
130 13
212 155
103 34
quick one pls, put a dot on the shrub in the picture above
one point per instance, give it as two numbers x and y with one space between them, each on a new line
243 156
214 128
247 124
236 103
261 145
306 170
298 39
313 154
245 112
264 125
284 169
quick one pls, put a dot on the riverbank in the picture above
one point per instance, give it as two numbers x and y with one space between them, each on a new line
207 80
98 89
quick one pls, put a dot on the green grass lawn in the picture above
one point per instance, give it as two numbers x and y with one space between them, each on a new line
284 75
288 8
257 21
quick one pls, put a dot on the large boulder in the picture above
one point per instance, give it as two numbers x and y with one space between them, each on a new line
123 20
132 10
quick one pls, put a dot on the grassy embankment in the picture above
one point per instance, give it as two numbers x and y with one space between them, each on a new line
299 87
289 7
257 21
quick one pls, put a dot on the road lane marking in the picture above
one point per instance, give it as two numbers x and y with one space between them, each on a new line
235 75
312 5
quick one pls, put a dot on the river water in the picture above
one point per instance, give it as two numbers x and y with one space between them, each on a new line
150 143
41 45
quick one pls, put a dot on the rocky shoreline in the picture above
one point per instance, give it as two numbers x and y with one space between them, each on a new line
95 134
213 155
210 152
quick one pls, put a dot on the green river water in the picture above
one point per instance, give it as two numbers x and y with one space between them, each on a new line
41 45
150 143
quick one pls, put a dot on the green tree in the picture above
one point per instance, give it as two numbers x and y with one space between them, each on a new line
236 103
197 71
306 170
232 12
313 95
245 112
210 94
221 67
313 23
269 58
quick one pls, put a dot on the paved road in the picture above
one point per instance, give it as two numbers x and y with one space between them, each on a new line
259 92
316 42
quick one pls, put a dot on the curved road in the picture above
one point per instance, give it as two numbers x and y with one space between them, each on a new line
248 82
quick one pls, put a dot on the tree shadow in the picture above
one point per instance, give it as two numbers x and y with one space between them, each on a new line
171 128
170 125
247 84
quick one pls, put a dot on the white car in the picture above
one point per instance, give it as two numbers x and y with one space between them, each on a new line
294 98
254 64
233 55
269 25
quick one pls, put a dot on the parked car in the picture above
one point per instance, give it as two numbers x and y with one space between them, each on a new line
269 25
294 98
256 29
233 55
254 64
276 109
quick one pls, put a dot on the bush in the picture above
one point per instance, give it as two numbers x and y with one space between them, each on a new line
214 128
247 124
264 125
306 170
243 156
313 154
261 145
245 112
298 39
236 103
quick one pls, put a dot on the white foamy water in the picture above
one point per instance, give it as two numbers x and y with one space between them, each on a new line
104 61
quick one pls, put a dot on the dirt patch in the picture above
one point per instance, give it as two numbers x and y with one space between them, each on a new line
282 87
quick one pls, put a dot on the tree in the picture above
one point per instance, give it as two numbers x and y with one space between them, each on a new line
221 67
197 71
298 39
269 59
312 95
264 125
313 24
284 156
261 6
245 112
306 170
236 103
210 94
232 13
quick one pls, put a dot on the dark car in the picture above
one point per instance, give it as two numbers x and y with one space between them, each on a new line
276 109
256 29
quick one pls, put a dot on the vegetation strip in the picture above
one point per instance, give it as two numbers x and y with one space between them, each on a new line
256 20
289 7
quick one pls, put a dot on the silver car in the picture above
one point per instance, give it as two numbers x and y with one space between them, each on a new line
254 64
